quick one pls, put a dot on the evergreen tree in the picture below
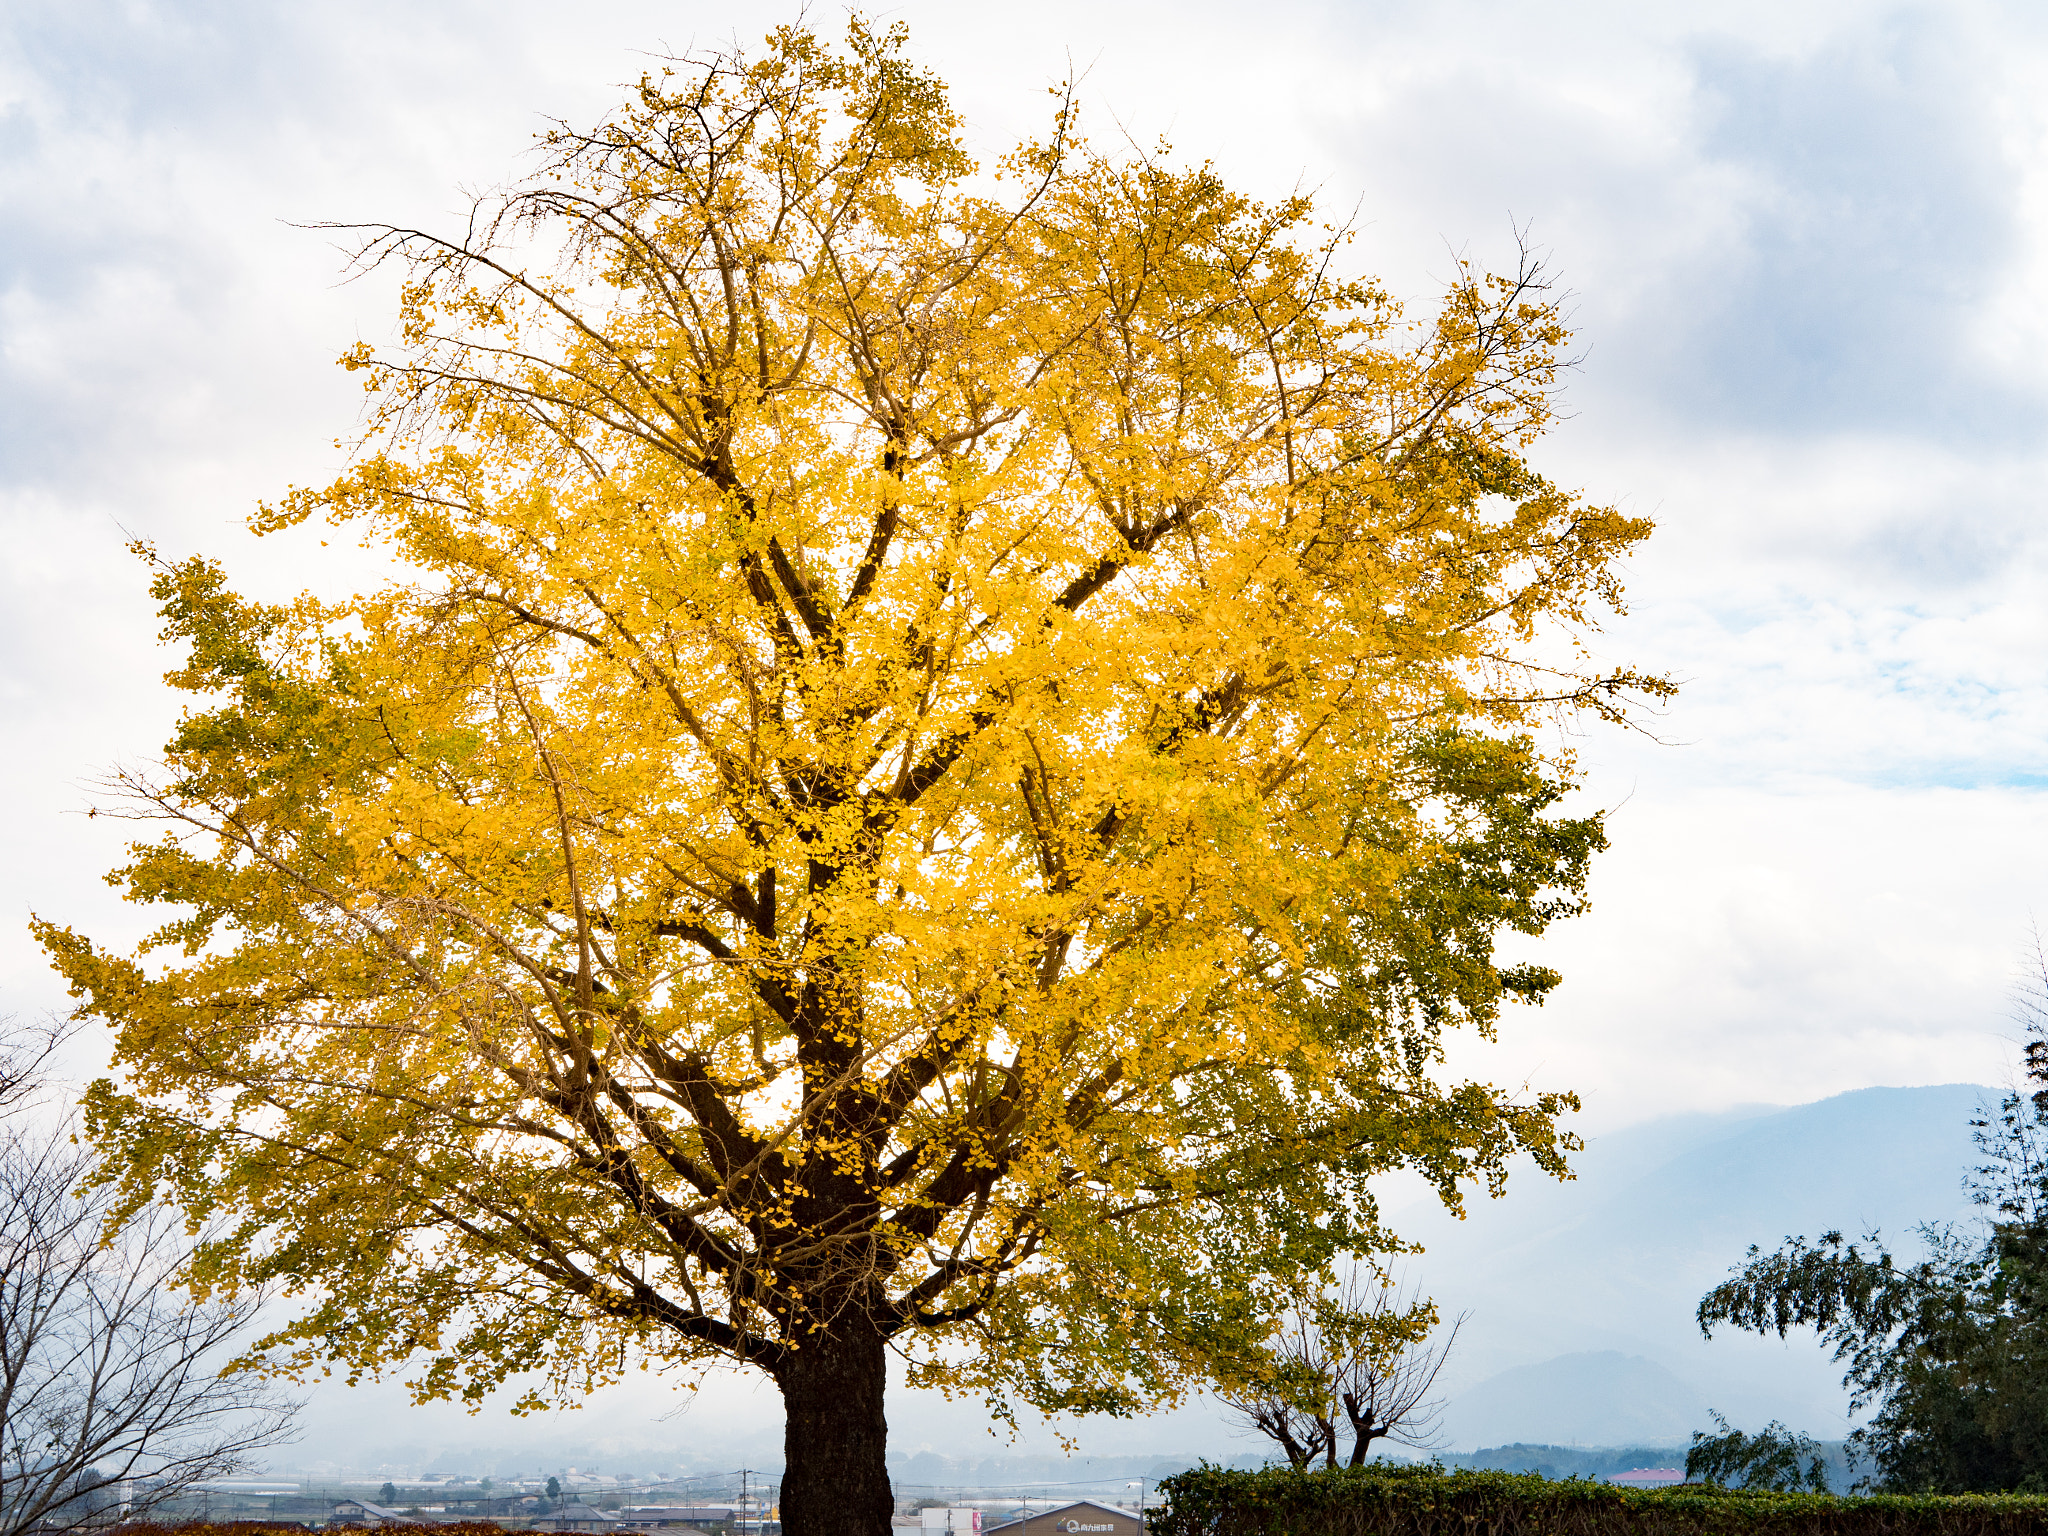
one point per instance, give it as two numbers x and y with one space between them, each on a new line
1775 1459
1952 1350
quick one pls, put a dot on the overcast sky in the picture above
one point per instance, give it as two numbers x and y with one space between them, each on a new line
1808 244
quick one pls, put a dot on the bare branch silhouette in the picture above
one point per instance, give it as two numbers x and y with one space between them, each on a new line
113 1392
1357 1364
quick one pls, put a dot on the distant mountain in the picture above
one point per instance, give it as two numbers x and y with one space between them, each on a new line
1605 1460
1567 1460
1614 1262
1601 1397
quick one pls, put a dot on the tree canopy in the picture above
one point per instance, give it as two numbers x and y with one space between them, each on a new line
1951 1349
1774 1459
951 741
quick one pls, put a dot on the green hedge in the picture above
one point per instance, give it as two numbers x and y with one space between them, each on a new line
1387 1500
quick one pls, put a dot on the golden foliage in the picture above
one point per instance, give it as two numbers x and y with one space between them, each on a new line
956 740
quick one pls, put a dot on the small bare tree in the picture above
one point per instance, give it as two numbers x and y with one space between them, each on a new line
24 1048
112 1393
1359 1363
1285 1393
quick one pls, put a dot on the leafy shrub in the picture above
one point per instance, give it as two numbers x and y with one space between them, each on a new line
1382 1500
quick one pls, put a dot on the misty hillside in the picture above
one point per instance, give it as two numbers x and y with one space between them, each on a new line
1604 1461
1582 1295
1596 1398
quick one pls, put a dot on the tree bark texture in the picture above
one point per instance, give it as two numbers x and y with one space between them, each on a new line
835 1479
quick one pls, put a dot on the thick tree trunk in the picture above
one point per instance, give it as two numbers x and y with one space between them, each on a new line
835 1479
1367 1432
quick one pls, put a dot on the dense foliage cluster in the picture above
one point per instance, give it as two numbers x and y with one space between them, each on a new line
1774 1459
1952 1349
951 741
1381 1499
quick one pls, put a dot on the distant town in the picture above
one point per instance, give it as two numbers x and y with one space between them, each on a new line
744 1501
740 1502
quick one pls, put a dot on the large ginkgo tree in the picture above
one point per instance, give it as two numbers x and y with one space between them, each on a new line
950 740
